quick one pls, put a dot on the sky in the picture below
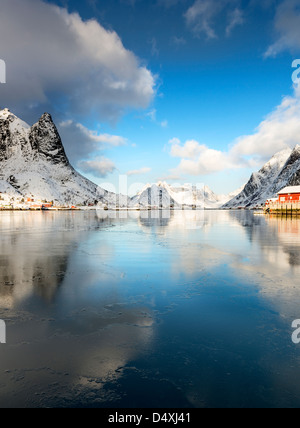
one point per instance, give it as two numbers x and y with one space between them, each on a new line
183 91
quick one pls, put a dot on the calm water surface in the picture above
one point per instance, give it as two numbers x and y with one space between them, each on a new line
194 310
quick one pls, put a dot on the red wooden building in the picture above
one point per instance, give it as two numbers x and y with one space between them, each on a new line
289 195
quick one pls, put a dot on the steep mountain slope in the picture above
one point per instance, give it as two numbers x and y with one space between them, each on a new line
33 163
281 171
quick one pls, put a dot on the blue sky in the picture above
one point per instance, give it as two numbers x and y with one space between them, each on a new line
191 91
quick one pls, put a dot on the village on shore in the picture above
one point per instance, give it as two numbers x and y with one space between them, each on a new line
287 202
12 203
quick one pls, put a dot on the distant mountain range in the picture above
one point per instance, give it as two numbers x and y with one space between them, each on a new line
163 195
33 163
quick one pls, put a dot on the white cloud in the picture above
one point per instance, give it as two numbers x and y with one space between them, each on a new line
111 140
174 141
279 130
198 159
152 115
52 53
178 41
154 48
138 171
287 26
81 142
190 150
201 17
236 18
100 167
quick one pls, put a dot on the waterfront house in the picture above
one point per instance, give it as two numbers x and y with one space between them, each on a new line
288 202
289 194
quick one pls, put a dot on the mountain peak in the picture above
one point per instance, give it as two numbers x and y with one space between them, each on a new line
4 113
45 138
297 148
33 163
46 117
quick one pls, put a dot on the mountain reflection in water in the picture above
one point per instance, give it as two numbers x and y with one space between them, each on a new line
161 309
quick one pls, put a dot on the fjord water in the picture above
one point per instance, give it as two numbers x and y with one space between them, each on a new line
193 309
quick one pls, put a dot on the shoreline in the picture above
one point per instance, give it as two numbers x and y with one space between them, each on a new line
128 209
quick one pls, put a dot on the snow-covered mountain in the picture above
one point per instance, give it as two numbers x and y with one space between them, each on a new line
155 195
281 171
162 195
33 163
